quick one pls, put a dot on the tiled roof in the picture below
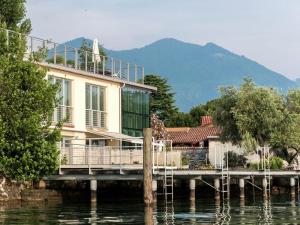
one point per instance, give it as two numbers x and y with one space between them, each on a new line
194 135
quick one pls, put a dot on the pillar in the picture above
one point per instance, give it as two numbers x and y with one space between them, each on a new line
147 166
242 188
292 184
93 187
192 189
264 185
217 188
154 190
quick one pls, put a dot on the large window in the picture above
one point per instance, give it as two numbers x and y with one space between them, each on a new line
135 111
95 106
63 112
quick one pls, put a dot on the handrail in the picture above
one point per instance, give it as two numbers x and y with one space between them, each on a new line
84 60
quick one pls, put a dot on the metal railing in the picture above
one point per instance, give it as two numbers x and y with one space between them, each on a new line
95 118
77 58
64 114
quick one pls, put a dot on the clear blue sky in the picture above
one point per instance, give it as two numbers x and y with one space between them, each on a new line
267 31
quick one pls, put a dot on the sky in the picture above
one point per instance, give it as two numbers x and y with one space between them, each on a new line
266 31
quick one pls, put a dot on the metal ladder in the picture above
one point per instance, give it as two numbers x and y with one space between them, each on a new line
225 176
168 174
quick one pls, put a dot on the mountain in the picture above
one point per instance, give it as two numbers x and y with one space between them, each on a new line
196 72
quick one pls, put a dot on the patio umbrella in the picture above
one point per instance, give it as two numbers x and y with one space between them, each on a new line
96 57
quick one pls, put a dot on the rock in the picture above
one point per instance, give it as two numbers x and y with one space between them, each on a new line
42 184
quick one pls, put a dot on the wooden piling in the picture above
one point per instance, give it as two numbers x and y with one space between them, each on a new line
147 166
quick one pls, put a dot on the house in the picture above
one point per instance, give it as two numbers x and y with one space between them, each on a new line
203 138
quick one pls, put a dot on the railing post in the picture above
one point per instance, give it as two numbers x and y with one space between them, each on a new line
112 66
65 55
54 56
143 75
128 71
60 148
120 69
85 59
147 166
31 45
76 59
103 66
135 72
94 56
89 152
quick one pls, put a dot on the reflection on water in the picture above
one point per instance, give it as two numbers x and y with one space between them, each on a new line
278 210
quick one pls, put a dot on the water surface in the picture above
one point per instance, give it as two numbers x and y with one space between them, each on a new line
130 210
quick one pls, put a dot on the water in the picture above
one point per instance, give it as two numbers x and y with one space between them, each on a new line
280 210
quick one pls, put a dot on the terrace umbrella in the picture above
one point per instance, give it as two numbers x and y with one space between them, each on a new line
96 57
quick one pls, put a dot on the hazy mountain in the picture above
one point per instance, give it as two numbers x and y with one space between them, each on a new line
194 71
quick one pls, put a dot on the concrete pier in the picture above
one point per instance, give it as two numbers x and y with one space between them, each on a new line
242 188
264 185
192 189
93 187
292 184
154 190
217 188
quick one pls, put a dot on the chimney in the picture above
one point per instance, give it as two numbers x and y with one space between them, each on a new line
206 120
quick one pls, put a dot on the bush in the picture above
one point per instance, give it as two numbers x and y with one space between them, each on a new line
235 159
276 163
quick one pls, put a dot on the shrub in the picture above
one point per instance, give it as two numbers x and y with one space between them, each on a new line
235 159
275 163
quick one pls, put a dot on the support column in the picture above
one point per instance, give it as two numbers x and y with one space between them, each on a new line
93 187
242 188
264 185
192 189
217 187
147 166
154 190
292 184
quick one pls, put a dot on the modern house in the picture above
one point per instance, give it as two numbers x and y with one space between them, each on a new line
103 102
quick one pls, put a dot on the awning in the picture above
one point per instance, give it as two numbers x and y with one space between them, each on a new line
117 136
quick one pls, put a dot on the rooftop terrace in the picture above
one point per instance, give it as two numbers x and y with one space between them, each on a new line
78 59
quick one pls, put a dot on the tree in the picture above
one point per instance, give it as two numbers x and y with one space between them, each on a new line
260 116
162 102
159 131
28 147
202 110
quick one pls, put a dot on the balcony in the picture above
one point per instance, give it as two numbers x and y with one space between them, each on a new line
69 57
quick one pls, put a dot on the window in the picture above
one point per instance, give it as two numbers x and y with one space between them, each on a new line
135 111
63 112
95 106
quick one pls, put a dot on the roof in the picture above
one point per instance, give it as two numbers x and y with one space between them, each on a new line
115 135
194 135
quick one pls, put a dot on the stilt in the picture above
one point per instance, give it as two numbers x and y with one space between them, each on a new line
93 187
265 186
242 188
217 188
192 189
154 190
148 216
292 184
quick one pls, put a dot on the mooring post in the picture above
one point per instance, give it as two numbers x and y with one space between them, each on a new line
147 166
93 187
292 184
242 188
217 188
192 189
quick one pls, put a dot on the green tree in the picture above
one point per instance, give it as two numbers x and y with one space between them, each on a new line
162 102
181 119
28 147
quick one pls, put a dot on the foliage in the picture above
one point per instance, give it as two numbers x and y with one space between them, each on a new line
28 147
86 48
275 163
162 102
159 131
249 143
59 60
235 159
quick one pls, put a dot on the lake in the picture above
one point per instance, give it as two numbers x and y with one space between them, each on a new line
130 210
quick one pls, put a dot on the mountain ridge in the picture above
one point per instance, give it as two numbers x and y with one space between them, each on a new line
195 72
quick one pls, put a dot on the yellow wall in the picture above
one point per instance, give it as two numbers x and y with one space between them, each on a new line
112 102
